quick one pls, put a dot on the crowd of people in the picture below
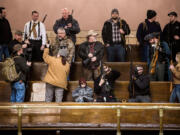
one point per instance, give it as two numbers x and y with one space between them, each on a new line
159 48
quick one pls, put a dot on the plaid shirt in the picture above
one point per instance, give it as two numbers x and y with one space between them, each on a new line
116 35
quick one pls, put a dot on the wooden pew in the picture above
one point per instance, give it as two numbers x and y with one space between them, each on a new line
36 92
38 70
89 119
122 67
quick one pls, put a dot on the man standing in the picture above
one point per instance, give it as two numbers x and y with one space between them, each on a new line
148 26
5 34
22 67
159 57
67 22
140 86
171 34
113 34
63 42
35 32
91 52
17 40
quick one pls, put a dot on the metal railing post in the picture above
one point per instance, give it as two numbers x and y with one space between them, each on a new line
19 109
161 121
118 121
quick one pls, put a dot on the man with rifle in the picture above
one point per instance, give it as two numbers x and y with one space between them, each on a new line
67 22
159 57
139 87
91 52
113 34
35 33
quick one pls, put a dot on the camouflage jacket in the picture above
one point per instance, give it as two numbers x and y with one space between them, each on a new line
65 42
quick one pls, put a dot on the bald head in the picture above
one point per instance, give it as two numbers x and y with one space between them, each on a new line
65 13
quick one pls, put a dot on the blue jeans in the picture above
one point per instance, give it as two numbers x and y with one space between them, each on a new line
175 93
4 50
18 92
116 53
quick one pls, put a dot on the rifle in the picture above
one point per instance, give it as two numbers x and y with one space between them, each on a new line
131 85
71 17
155 58
122 36
44 18
171 83
171 62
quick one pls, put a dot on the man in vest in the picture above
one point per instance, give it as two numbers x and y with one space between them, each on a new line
35 33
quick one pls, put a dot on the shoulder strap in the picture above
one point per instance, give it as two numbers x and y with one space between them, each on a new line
30 29
120 20
38 29
15 57
145 28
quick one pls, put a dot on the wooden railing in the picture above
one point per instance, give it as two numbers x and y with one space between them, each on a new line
118 109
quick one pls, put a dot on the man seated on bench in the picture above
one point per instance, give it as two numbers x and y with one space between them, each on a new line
104 85
139 87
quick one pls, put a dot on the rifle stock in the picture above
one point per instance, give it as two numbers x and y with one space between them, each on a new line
171 83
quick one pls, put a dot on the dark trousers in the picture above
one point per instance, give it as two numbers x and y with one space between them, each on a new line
145 98
144 50
3 51
36 50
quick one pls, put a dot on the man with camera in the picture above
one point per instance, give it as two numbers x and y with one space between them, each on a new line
91 52
63 42
104 85
139 87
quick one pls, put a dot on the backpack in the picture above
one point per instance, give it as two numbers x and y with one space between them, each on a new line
9 70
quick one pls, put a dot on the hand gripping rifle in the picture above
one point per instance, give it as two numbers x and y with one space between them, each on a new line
155 58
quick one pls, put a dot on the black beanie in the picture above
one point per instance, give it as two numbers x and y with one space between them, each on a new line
151 14
114 11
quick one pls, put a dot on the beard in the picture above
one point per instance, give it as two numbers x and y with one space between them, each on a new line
114 18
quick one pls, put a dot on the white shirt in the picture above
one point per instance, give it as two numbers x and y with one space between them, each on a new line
42 31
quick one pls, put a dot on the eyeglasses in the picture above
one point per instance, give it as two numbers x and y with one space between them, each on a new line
63 47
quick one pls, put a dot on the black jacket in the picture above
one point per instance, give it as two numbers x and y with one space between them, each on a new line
11 45
71 32
110 78
141 86
146 28
22 67
5 31
84 50
164 52
170 30
107 31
